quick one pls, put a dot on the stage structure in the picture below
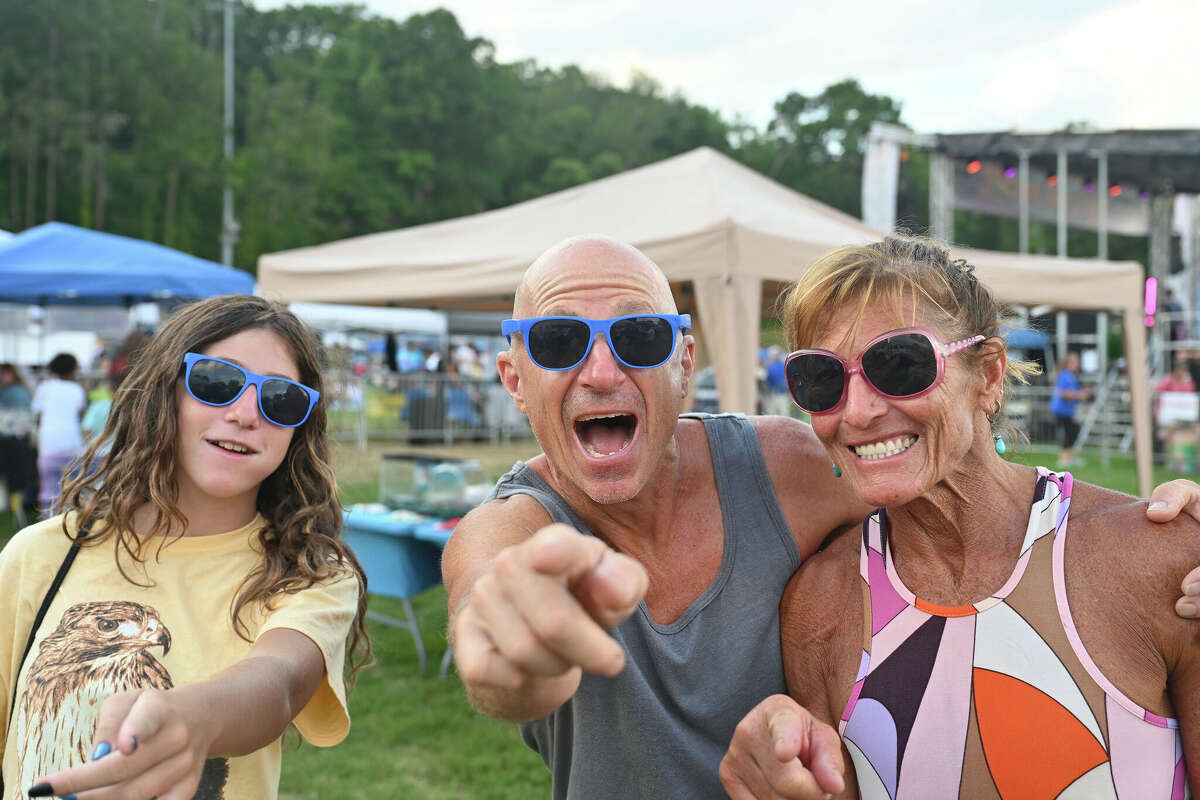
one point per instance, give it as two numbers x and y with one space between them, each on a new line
1132 182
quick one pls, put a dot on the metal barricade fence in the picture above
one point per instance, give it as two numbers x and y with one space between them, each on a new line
421 408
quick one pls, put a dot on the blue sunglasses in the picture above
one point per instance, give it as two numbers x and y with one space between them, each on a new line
216 382
640 341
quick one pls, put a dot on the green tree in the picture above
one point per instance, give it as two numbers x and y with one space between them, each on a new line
816 144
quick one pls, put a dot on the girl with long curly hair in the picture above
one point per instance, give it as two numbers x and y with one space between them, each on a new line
195 598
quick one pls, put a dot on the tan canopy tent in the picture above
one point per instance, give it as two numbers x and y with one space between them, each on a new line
709 222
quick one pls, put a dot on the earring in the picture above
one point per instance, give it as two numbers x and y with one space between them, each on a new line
837 473
1001 448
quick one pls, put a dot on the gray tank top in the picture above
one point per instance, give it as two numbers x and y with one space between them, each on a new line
660 728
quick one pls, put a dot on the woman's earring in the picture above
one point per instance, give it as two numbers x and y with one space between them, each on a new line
1001 448
837 473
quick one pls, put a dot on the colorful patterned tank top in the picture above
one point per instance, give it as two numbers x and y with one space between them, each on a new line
998 699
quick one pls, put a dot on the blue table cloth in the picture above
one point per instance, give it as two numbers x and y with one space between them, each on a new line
400 553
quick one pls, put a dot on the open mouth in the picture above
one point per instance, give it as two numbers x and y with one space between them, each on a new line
605 434
883 449
231 447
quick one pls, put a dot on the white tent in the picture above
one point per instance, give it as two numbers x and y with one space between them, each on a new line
710 223
338 317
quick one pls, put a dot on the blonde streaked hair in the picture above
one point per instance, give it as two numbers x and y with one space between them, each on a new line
900 275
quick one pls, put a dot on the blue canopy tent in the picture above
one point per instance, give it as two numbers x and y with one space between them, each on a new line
61 264
1026 339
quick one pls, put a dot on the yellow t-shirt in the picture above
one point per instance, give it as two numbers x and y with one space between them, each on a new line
108 635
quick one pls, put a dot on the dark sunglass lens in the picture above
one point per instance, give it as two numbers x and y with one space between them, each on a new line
815 381
284 403
642 341
558 343
901 365
214 382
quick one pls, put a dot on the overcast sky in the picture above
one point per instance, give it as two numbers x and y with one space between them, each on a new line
954 65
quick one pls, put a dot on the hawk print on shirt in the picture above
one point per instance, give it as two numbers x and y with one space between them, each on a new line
97 650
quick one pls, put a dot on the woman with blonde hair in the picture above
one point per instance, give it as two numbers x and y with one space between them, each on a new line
196 597
1001 630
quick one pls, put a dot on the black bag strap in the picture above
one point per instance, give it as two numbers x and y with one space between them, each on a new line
63 568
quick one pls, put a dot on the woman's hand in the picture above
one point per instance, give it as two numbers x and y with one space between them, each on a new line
780 750
148 743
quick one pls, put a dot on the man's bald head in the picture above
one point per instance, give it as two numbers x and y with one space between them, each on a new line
590 263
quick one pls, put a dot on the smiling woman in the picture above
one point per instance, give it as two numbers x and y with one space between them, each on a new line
199 598
983 654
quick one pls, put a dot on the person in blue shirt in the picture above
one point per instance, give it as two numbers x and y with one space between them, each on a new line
13 392
1067 394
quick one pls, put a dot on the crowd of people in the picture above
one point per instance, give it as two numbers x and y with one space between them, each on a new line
670 605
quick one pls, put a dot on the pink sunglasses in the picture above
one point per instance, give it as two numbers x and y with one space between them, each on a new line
899 364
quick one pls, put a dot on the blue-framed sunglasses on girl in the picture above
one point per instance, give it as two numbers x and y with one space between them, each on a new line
640 341
216 382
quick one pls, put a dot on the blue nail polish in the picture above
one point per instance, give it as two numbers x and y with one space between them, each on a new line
68 797
102 749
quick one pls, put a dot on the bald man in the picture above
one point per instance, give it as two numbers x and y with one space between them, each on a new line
619 595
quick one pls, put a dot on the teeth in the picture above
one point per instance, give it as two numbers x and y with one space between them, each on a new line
596 452
591 448
235 448
877 450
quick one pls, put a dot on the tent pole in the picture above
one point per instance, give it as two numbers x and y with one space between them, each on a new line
229 226
1023 201
1139 388
1102 203
1061 216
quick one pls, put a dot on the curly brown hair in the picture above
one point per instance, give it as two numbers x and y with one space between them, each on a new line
301 542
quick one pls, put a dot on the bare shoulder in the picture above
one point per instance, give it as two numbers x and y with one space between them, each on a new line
1114 552
826 580
1123 574
788 445
487 530
813 499
820 622
1117 522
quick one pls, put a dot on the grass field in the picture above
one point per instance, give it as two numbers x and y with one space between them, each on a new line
413 734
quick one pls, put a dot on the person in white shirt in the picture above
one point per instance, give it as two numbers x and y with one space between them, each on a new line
59 403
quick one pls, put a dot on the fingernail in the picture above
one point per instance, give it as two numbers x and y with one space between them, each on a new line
1157 505
133 743
1187 609
608 570
41 790
102 749
68 797
1192 589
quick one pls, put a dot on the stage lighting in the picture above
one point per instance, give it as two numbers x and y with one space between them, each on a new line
1010 172
1090 186
1052 180
973 166
1114 190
